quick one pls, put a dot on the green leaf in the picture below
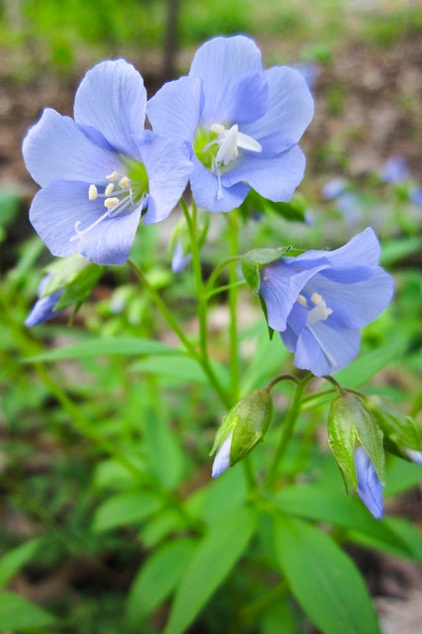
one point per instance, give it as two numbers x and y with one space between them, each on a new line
124 508
165 454
9 205
16 613
330 507
369 364
179 369
12 561
323 579
155 581
397 427
213 559
94 347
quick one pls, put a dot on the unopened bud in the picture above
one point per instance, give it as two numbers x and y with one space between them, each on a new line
242 428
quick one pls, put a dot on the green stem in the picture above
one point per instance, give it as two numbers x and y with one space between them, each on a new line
200 357
232 218
286 431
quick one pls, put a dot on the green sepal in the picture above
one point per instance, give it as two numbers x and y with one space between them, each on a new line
248 421
254 260
350 424
400 432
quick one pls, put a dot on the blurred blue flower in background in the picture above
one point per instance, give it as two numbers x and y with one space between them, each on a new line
101 171
43 309
241 123
369 484
395 170
179 261
320 300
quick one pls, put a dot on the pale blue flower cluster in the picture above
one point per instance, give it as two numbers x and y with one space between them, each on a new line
228 126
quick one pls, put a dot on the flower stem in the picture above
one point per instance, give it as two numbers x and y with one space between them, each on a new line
203 361
233 295
287 430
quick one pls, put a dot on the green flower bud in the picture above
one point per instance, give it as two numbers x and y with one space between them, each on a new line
400 434
351 425
242 428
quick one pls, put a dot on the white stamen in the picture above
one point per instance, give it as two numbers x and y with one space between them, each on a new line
81 232
302 300
316 298
109 189
111 202
320 311
217 128
92 192
124 182
114 176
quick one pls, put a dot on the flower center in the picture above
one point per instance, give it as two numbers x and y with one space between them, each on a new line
218 147
122 194
319 311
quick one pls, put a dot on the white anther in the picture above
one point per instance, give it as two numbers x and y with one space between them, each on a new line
111 202
316 299
114 176
302 300
124 182
217 128
109 189
320 311
92 192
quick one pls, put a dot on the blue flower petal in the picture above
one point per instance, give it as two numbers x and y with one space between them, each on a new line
290 110
55 148
168 168
43 309
175 109
324 350
281 284
60 205
369 485
112 99
355 305
274 178
222 459
222 63
364 248
204 185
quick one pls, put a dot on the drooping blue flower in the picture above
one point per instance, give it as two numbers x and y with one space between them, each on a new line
44 307
101 171
242 123
320 300
369 484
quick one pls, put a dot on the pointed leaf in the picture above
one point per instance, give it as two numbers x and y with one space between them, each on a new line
212 561
155 580
323 579
16 613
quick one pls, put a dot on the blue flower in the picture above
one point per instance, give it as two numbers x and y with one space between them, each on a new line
320 300
241 123
416 196
102 171
179 261
369 484
395 170
44 308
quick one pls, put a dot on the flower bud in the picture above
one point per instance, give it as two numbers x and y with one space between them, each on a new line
400 434
356 441
242 428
